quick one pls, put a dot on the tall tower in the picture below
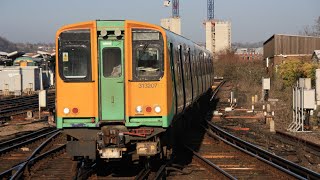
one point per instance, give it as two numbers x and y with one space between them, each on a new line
218 32
174 23
175 8
210 13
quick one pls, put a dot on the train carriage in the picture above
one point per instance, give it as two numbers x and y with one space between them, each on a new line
121 83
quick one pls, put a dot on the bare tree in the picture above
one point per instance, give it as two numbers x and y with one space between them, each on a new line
317 27
312 30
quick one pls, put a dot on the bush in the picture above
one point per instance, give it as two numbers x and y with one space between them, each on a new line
245 75
293 69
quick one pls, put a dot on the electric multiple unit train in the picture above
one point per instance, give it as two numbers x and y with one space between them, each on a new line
119 85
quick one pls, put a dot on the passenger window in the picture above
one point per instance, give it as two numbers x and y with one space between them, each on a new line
111 62
74 59
147 54
75 65
147 61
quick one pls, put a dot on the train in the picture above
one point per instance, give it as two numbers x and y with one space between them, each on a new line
121 83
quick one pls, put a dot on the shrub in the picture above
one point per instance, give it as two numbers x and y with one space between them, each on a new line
293 69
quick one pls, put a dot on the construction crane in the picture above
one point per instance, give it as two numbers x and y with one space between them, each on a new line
210 13
175 7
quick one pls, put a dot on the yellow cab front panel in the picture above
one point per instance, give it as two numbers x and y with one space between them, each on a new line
146 74
76 76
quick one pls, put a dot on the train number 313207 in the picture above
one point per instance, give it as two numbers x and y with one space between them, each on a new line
147 85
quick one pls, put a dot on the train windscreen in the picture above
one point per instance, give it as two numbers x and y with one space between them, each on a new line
147 55
74 58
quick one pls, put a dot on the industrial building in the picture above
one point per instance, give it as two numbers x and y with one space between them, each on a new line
218 35
280 46
218 32
24 73
17 80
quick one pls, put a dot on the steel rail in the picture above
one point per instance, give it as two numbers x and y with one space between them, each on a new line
85 175
22 104
210 164
22 167
20 138
216 90
279 162
161 172
22 99
143 174
6 149
10 171
309 144
21 110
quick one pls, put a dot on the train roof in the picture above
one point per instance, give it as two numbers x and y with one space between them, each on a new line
139 23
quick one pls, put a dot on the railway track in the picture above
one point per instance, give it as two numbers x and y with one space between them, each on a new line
14 159
16 106
53 162
23 138
215 154
251 127
282 165
223 156
134 171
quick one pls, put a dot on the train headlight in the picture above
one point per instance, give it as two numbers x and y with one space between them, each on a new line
139 109
66 110
157 109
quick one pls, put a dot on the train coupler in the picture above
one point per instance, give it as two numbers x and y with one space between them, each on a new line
111 143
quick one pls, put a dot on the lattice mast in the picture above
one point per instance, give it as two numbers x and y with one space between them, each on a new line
210 13
175 8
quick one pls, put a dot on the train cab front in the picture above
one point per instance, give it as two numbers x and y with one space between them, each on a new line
148 99
112 95
76 87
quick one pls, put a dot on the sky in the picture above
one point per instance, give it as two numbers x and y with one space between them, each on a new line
252 20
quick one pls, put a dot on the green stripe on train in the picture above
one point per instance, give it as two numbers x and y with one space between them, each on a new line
75 122
164 121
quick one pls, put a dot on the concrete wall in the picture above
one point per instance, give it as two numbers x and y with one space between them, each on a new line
172 24
209 37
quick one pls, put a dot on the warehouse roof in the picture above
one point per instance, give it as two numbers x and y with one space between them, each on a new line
3 53
292 35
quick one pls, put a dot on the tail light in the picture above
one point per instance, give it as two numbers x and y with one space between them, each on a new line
148 109
75 110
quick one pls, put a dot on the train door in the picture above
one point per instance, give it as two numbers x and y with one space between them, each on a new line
111 80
